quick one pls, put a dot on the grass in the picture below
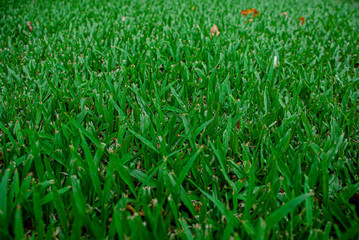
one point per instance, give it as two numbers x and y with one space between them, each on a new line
126 119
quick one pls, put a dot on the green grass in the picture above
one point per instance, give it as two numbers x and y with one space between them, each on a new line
126 119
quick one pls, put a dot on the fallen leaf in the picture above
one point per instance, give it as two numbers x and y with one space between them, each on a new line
131 209
255 12
1 159
214 30
284 14
238 125
302 20
246 12
29 25
249 11
198 206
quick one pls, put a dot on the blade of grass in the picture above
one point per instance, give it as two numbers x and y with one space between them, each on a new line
275 217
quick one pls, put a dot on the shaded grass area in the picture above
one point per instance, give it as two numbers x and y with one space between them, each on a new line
127 119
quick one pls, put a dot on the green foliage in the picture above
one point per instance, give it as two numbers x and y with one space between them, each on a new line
127 119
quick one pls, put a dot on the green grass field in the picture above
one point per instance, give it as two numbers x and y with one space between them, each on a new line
128 120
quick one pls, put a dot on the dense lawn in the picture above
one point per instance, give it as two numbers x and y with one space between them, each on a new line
127 119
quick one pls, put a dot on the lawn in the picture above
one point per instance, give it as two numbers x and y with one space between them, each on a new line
143 120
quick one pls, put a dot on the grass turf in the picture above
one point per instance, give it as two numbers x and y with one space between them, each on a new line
127 119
